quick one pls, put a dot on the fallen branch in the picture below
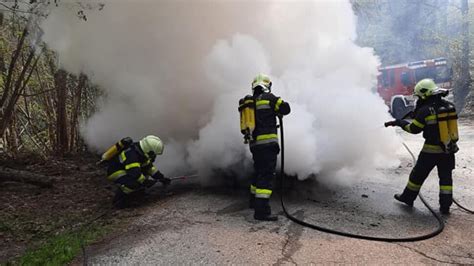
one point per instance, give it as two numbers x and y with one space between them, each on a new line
13 175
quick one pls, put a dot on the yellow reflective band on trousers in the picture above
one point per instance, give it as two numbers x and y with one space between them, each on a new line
412 186
263 193
266 138
126 190
446 189
278 103
132 165
153 170
428 148
116 175
141 179
418 124
253 189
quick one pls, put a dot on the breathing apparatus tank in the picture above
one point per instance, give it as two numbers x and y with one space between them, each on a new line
448 128
453 123
443 126
115 149
247 117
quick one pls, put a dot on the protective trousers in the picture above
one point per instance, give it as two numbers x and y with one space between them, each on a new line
265 160
129 188
425 163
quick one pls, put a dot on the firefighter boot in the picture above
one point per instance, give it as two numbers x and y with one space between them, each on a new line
444 210
408 197
403 199
445 201
120 200
263 211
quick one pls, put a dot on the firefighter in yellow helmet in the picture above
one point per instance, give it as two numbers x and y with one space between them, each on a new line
132 169
263 140
437 119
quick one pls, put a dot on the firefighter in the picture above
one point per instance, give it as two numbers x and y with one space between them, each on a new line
264 144
437 119
132 169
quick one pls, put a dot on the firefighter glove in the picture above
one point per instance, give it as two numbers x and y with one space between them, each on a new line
149 182
393 123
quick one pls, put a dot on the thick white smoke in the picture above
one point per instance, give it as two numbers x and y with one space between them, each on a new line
178 68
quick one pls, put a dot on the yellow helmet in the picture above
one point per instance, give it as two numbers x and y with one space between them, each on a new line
425 88
263 81
151 144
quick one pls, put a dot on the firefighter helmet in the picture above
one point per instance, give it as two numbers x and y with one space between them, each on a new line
263 81
425 88
151 144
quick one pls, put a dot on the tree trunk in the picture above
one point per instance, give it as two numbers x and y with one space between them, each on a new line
76 108
13 138
60 79
12 175
46 100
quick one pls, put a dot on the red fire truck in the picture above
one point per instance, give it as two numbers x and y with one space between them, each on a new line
396 82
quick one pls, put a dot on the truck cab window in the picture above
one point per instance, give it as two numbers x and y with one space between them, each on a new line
385 79
405 78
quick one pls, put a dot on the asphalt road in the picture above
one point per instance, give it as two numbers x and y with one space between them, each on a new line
214 225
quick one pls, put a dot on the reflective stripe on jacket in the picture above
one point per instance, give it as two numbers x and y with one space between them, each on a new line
267 107
133 163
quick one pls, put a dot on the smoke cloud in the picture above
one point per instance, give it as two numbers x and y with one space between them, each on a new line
177 69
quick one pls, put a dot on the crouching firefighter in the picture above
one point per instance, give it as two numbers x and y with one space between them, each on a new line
437 119
130 167
258 124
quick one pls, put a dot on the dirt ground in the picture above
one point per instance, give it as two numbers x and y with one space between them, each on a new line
29 214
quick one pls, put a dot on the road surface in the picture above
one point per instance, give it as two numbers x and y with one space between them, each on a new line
214 225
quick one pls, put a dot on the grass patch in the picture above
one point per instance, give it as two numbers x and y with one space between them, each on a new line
63 248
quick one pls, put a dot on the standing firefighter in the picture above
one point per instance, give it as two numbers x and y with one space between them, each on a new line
437 119
258 124
130 167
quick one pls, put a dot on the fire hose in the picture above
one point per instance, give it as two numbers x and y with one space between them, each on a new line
438 230
462 207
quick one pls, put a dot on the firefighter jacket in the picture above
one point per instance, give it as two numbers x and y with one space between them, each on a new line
426 121
133 164
267 107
